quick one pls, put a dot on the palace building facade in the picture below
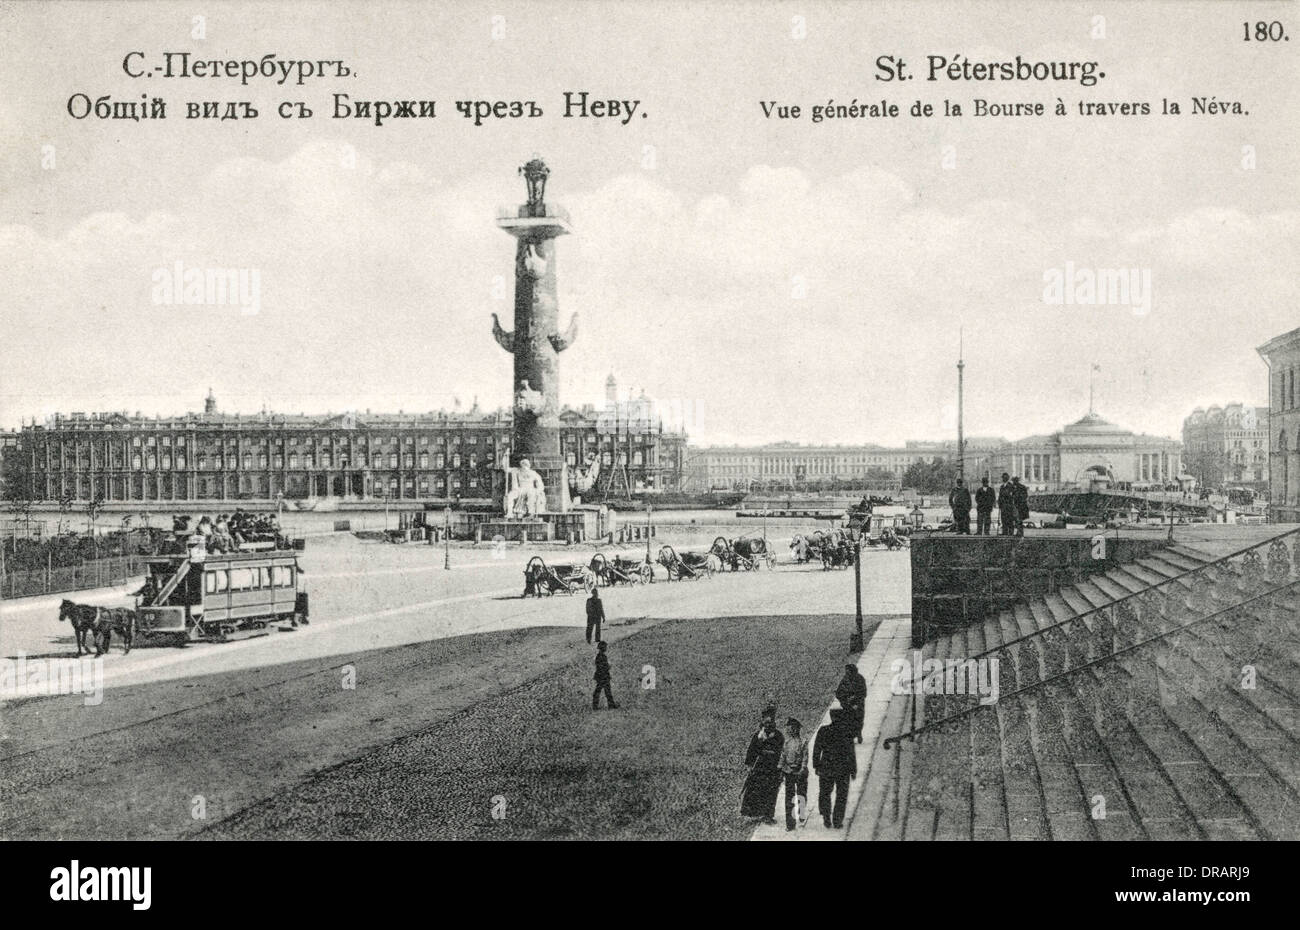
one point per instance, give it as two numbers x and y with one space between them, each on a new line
215 456
792 465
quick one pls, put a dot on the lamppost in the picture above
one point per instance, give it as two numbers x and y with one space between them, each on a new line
855 531
648 508
446 535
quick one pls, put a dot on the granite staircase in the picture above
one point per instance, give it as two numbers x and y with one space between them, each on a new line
1160 700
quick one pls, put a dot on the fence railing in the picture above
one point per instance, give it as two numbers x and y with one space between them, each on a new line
91 573
1263 577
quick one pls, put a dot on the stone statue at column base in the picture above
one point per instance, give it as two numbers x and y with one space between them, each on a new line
525 492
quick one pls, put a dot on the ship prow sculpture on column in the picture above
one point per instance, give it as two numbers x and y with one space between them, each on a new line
537 481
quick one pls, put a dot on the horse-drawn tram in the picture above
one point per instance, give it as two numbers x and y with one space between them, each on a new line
220 596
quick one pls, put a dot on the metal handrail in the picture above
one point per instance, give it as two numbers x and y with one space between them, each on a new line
1119 600
892 740
1159 584
1095 610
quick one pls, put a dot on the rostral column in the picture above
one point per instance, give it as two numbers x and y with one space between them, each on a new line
536 342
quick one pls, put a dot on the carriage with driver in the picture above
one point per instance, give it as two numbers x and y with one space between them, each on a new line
744 554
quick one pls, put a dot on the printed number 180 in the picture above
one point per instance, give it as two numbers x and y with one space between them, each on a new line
1264 32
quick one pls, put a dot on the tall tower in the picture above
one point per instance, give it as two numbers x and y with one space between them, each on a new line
611 390
536 341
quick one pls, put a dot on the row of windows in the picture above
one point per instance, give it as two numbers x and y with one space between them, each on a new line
221 580
261 446
309 458
232 443
261 442
206 463
607 458
208 487
439 483
425 460
749 471
326 461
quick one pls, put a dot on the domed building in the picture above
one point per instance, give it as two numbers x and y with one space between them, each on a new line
1090 452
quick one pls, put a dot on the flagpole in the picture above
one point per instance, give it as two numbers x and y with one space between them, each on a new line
961 441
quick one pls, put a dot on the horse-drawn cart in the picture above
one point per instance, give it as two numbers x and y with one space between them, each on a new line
744 554
687 565
620 571
833 549
540 578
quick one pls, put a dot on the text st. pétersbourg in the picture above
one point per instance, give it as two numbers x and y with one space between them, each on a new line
958 67
271 66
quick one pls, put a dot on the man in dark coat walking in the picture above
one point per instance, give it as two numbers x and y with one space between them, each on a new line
836 765
1006 507
959 501
595 614
851 692
985 499
602 678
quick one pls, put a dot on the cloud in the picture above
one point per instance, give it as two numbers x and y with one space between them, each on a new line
783 305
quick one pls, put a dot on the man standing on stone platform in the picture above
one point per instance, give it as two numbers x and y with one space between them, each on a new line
985 499
1006 507
959 501
1020 494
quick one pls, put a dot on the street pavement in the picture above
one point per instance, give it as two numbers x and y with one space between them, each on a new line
369 595
235 723
891 640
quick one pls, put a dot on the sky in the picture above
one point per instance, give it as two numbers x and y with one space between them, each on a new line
763 279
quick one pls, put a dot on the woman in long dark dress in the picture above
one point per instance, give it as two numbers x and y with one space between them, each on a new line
758 797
